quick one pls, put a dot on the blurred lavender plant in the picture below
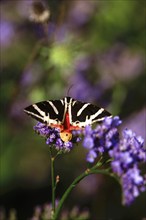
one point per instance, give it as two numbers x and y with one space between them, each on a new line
81 12
86 87
44 213
12 214
7 33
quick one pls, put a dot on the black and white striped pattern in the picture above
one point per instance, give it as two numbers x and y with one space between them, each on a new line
52 112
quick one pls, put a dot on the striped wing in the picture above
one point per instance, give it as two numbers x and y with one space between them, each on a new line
48 112
83 114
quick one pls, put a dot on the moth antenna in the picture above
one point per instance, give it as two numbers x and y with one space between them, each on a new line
68 91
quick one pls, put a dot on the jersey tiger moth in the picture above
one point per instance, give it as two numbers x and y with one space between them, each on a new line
67 114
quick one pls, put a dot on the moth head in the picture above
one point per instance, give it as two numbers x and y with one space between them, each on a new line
65 136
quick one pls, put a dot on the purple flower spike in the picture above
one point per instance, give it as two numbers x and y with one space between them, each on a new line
112 122
126 153
132 185
104 137
52 136
126 156
42 129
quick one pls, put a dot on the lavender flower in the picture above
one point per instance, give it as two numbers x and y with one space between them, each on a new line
126 154
88 142
91 156
126 157
129 151
102 138
84 89
81 12
52 136
132 184
42 129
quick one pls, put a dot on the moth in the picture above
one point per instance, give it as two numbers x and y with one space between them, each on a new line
67 114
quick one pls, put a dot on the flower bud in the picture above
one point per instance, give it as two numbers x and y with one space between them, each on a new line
57 179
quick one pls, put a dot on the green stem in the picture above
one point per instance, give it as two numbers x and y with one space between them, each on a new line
53 184
73 184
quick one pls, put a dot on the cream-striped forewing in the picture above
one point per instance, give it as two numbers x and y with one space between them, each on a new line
53 112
